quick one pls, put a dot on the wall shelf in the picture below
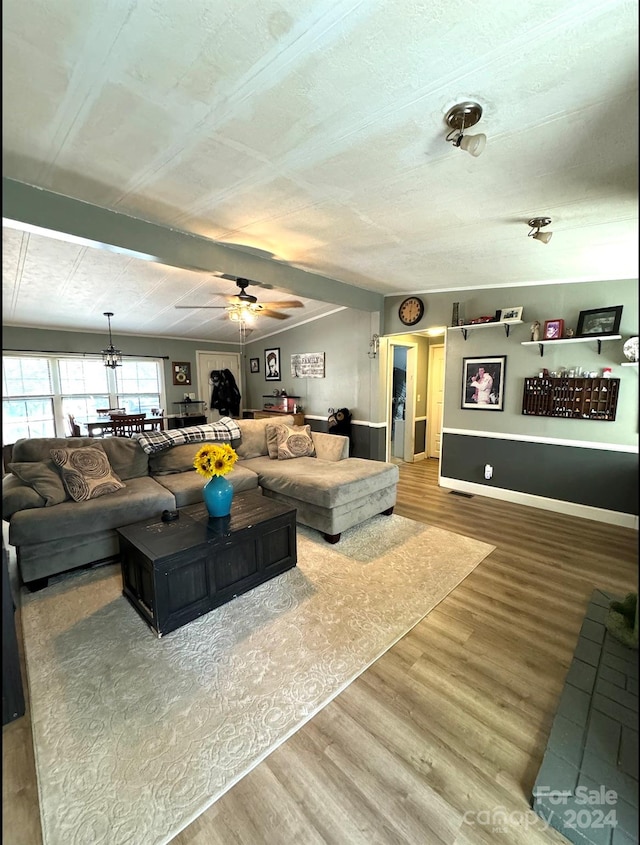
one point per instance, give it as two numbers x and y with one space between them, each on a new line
629 364
542 343
473 326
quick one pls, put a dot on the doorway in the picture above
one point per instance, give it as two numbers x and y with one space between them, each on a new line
435 399
207 361
401 400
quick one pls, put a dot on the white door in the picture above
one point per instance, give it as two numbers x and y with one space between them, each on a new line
435 400
205 363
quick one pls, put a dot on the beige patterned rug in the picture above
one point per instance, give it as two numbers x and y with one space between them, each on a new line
135 736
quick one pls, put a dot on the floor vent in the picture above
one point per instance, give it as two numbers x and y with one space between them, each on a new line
460 493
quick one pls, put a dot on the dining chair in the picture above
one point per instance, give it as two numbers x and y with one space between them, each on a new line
74 428
152 425
124 425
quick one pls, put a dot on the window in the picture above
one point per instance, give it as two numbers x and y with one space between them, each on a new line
138 386
28 409
40 392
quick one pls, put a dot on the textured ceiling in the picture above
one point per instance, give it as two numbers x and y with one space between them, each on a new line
312 132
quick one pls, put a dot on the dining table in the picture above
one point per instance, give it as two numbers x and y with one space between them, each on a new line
103 426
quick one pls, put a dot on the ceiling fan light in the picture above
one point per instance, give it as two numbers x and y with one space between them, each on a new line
545 237
473 144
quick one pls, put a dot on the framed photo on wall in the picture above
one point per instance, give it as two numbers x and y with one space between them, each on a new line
272 364
553 329
254 365
181 372
599 321
483 383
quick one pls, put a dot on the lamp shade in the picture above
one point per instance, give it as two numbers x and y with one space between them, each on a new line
545 237
473 144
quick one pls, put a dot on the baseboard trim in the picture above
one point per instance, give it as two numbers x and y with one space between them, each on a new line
625 520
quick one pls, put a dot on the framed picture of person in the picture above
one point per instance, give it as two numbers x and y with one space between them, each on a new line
254 365
272 364
553 329
599 322
483 383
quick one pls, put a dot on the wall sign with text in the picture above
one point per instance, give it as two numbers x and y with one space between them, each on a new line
307 365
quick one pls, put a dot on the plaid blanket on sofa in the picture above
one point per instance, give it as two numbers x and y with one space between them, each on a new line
225 430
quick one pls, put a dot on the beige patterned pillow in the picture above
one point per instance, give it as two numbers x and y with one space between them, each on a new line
294 442
86 472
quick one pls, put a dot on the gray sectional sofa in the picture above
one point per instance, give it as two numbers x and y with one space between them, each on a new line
52 533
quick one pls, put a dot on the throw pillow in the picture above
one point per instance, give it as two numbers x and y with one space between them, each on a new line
86 472
43 477
272 430
295 442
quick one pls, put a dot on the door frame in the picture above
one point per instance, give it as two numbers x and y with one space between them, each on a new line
410 406
431 395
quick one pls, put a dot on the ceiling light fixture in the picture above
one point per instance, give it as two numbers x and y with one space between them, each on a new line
111 357
459 118
536 224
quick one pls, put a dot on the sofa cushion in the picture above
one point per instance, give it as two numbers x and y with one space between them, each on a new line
176 459
142 498
324 483
125 456
86 472
17 496
45 479
253 442
187 486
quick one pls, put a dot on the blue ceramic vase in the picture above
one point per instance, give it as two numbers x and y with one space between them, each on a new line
218 495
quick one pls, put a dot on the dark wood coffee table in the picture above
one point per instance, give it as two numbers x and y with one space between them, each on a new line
174 572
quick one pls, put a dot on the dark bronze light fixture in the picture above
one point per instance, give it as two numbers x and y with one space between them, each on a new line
111 357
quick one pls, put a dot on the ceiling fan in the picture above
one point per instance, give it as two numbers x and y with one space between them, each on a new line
243 307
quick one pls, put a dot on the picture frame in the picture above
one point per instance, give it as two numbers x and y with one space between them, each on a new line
254 365
181 373
553 329
483 383
272 371
599 322
514 313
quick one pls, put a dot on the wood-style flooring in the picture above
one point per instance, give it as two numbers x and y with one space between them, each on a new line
443 736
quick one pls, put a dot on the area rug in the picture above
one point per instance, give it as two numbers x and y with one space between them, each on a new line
136 736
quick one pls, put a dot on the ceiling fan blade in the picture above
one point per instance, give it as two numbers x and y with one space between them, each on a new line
285 303
192 307
276 314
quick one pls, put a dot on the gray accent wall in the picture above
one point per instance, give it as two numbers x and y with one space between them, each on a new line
598 478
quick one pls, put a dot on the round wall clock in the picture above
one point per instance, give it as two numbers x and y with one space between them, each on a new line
411 310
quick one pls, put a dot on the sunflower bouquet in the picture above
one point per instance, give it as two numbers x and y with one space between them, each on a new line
215 459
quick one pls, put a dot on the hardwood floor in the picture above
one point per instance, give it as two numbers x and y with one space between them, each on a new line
450 723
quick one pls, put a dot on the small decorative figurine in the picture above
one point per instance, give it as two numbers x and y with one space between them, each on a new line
535 330
569 333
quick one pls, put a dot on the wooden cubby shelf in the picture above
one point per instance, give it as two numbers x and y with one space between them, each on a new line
571 398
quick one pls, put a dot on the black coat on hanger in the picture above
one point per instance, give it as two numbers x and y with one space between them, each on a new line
225 396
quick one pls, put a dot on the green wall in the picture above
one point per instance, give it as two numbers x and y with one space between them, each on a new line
15 338
540 302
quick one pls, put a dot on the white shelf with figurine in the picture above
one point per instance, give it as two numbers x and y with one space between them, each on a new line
599 325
